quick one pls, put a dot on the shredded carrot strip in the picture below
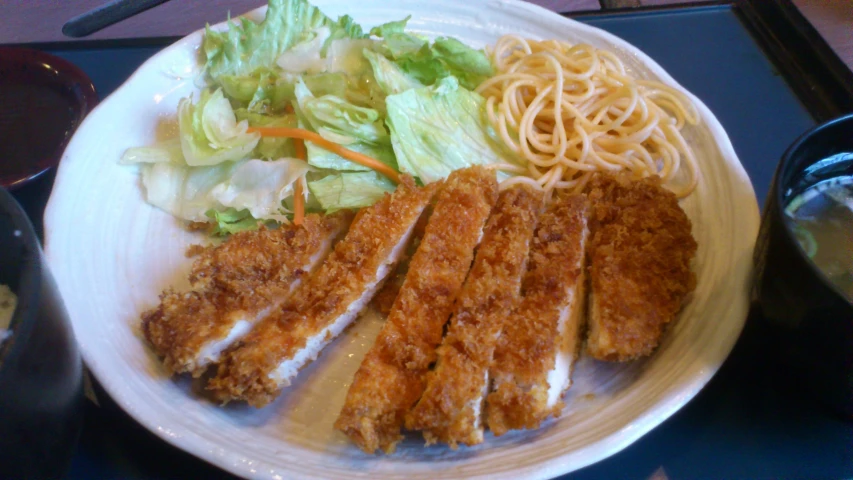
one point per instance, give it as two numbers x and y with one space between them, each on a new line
298 193
298 202
299 146
315 138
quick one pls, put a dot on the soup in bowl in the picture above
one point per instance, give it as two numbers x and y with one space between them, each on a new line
804 263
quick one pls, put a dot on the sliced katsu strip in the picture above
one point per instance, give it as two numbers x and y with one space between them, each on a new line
392 375
540 342
384 300
264 361
235 284
640 253
450 409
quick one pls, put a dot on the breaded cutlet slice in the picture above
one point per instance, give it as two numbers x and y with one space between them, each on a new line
384 300
540 342
392 375
264 361
450 409
640 253
233 285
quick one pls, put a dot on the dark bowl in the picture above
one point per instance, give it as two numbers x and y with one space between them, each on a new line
43 99
810 319
41 383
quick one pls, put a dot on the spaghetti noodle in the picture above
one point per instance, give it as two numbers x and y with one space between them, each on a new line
571 110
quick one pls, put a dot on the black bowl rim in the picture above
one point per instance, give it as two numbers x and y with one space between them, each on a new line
778 192
29 291
85 103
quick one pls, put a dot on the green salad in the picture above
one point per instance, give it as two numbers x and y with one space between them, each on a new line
403 100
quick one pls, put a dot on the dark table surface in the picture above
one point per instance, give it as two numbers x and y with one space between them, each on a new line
751 421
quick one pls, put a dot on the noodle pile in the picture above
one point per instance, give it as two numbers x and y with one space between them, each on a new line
571 110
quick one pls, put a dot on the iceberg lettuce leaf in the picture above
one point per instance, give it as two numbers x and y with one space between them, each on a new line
210 133
390 78
344 27
350 190
246 47
260 186
321 158
270 148
436 130
181 190
231 221
255 185
429 63
168 151
360 129
339 120
389 28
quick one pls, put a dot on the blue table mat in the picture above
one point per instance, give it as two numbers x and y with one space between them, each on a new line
749 422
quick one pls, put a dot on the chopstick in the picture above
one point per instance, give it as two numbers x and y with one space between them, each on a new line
106 15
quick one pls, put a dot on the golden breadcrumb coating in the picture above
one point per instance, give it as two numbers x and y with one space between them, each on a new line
640 254
533 338
392 376
239 278
450 409
384 300
247 370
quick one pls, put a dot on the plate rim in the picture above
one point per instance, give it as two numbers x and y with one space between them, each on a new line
204 449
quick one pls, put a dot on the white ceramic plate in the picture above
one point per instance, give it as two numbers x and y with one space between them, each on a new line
112 255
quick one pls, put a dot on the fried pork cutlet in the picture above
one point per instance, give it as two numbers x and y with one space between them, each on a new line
392 375
265 360
234 285
384 300
536 351
640 254
450 409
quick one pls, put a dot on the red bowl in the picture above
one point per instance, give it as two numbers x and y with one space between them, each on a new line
43 99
